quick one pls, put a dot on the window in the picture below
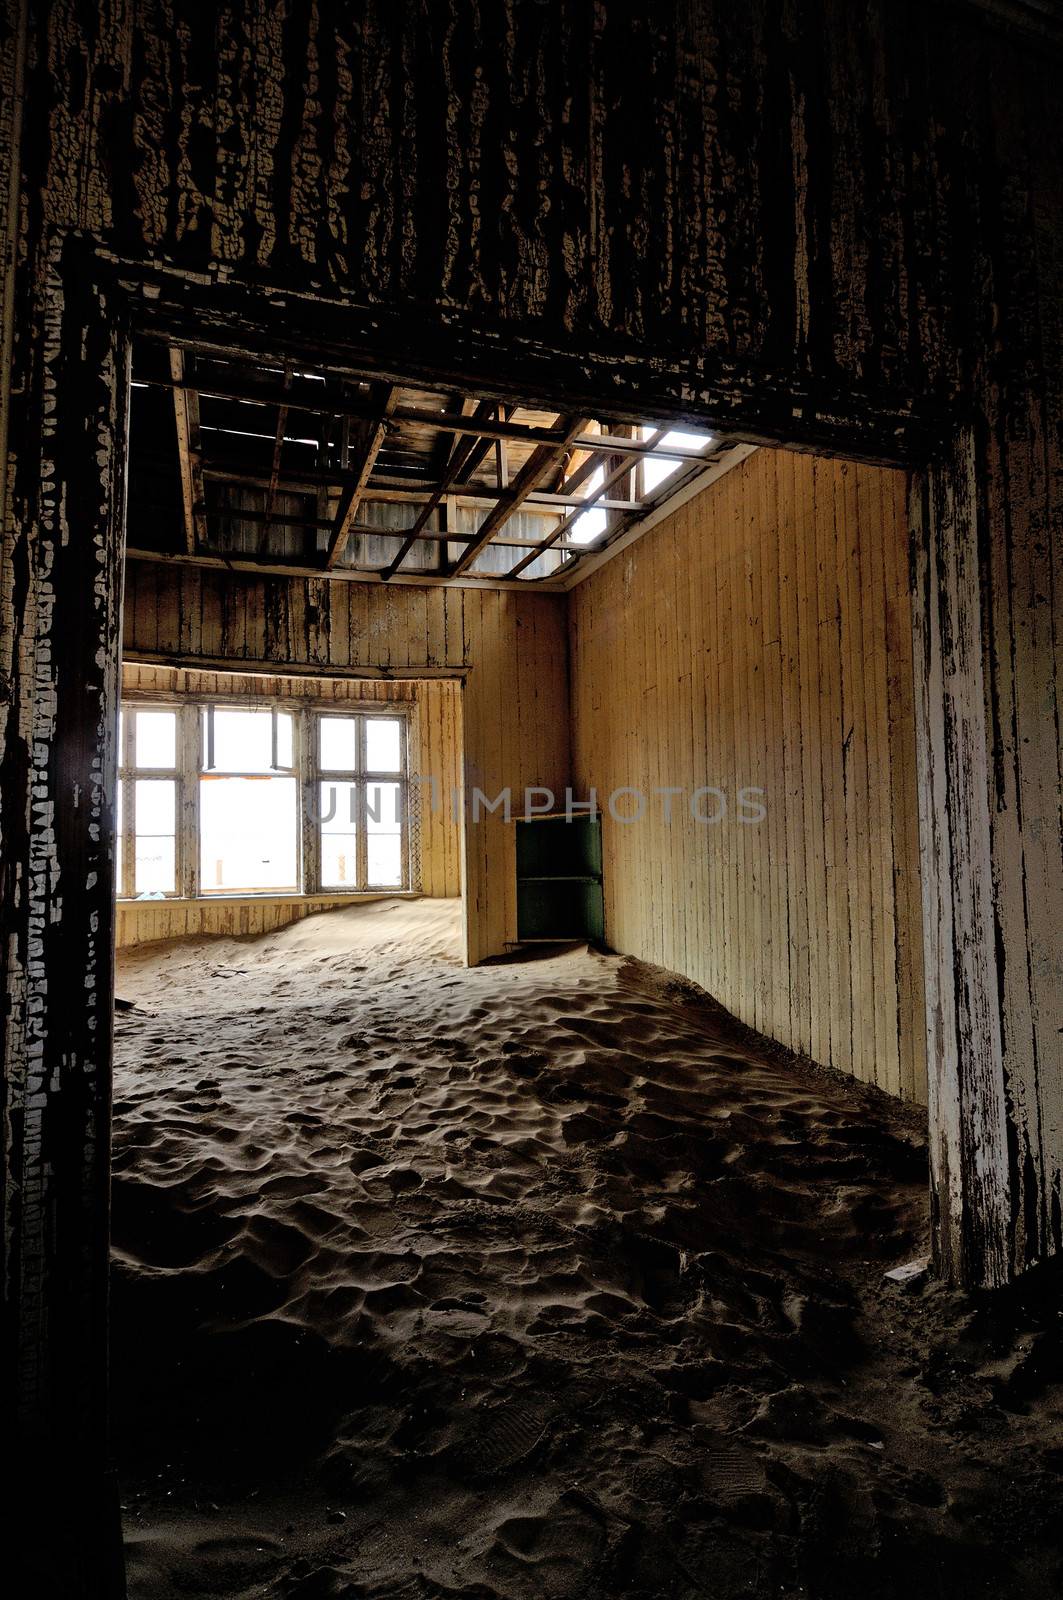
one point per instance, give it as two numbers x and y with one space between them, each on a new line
147 855
361 801
223 798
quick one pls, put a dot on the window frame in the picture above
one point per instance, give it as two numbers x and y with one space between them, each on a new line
190 768
360 777
129 773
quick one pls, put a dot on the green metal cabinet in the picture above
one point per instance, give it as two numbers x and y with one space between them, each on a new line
559 879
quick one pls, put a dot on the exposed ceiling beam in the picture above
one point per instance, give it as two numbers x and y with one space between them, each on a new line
186 416
306 480
351 496
447 421
466 456
541 461
367 529
591 501
461 458
301 569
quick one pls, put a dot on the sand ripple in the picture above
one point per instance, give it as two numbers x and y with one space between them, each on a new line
541 1279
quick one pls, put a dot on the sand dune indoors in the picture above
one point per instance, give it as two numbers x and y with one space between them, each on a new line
541 1279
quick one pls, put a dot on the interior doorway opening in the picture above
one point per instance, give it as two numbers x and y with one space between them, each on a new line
248 801
334 1193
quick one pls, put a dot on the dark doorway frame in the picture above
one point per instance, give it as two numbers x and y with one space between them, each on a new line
70 429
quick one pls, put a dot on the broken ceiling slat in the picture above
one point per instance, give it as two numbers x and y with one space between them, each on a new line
351 496
186 416
278 449
538 464
590 503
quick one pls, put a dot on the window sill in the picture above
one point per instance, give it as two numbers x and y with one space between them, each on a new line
338 896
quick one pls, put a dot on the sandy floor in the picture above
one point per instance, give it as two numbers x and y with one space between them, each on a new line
540 1280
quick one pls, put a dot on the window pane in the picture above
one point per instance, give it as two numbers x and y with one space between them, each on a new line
339 861
118 889
243 740
338 802
155 860
156 739
339 835
284 739
336 746
383 835
384 861
248 833
383 744
156 809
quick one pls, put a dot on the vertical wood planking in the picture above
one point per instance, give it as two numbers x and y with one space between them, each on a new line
757 639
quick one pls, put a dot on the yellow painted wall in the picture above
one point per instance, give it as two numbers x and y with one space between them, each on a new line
761 637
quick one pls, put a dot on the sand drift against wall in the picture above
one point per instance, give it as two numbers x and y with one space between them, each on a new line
537 1280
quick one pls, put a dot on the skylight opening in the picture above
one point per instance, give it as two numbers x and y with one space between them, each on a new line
591 524
654 472
415 482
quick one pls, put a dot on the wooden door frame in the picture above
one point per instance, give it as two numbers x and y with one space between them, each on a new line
69 441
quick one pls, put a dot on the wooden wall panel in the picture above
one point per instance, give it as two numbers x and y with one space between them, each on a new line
146 922
760 638
509 648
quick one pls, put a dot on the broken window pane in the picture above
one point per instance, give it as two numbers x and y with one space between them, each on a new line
248 833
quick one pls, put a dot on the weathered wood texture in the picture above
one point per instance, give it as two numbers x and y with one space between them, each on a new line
62 594
510 647
433 706
759 638
826 221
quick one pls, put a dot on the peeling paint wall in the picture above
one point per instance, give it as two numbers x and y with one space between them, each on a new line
822 221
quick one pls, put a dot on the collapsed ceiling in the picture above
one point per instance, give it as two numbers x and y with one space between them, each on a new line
268 465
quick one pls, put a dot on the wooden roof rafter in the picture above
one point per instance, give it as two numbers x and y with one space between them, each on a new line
538 464
351 496
281 463
186 418
589 503
468 450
